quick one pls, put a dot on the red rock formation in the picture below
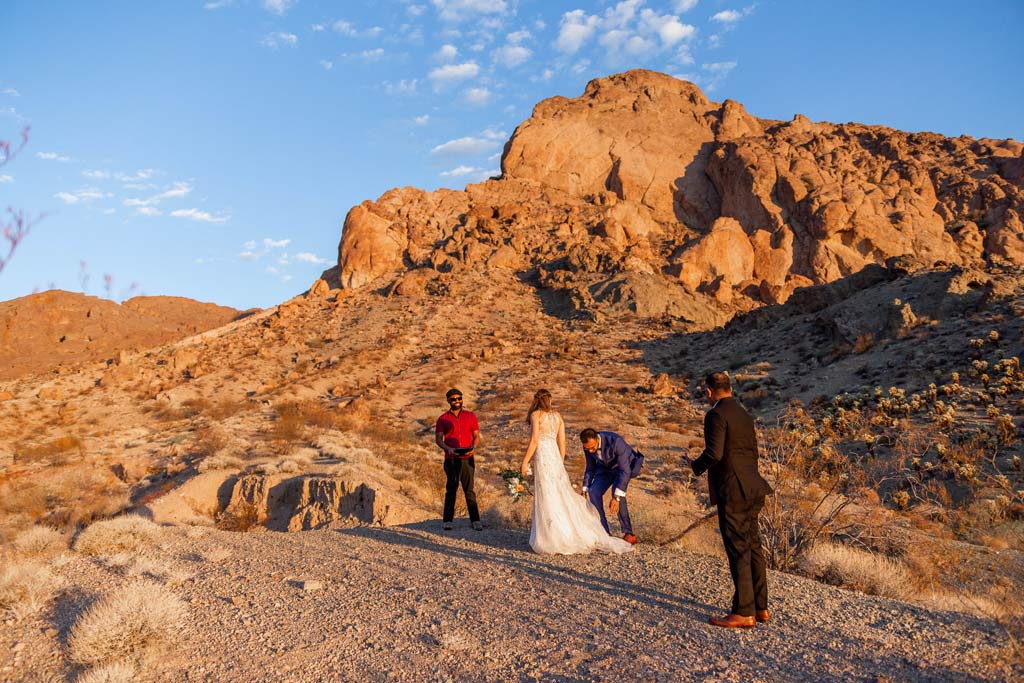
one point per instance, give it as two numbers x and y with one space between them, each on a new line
643 175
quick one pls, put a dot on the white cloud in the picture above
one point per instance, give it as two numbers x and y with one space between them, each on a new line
12 92
478 95
374 31
217 4
512 55
307 257
278 7
372 55
460 171
85 195
326 64
684 5
627 31
317 28
141 174
452 73
422 120
53 156
148 211
96 175
198 216
729 16
446 53
715 72
575 29
468 145
6 178
276 40
581 66
179 190
345 28
416 10
460 10
276 244
669 29
517 37
402 87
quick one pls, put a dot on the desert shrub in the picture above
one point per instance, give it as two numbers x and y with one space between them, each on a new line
40 541
809 502
856 569
127 624
223 409
26 586
56 451
215 554
60 497
129 533
242 517
220 462
209 439
115 672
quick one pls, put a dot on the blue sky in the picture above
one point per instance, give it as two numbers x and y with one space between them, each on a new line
211 148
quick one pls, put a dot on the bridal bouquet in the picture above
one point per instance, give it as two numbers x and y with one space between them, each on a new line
516 484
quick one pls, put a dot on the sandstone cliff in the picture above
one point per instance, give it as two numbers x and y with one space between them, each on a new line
642 196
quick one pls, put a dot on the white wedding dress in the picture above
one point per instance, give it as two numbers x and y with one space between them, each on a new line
564 522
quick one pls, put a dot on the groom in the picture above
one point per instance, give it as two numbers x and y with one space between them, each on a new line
610 462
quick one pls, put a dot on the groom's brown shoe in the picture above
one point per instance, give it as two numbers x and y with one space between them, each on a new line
733 621
762 616
629 538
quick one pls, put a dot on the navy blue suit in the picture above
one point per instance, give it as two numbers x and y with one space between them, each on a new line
613 464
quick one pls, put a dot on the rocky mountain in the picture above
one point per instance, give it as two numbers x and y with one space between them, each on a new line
643 196
42 331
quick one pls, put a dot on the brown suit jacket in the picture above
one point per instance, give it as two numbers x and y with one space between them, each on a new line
730 454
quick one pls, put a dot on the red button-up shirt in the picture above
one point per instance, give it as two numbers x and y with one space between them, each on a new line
457 430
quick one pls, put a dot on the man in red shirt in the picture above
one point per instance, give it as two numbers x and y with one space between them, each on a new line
457 433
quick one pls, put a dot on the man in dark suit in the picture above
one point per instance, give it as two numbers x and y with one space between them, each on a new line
730 459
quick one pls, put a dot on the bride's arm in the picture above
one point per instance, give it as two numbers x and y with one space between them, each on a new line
532 448
561 437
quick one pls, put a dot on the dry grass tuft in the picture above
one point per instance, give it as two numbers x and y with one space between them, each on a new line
116 672
857 570
130 533
127 624
40 541
26 586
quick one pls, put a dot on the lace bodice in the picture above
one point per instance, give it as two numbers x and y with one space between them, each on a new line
547 425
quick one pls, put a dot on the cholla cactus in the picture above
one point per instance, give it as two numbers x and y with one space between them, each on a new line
993 336
977 343
901 499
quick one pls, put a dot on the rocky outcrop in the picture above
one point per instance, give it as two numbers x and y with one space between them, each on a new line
298 503
642 175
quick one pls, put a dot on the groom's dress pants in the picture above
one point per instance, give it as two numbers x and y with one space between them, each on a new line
737 520
600 484
460 471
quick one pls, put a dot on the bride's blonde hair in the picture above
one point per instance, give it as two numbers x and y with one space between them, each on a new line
541 401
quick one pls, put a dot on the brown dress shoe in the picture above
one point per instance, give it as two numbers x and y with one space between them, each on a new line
629 538
733 621
762 616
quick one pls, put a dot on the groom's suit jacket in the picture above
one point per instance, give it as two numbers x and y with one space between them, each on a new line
614 454
730 454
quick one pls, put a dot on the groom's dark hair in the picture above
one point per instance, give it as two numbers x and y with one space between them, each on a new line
717 381
588 434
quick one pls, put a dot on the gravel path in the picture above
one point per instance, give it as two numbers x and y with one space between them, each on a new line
419 604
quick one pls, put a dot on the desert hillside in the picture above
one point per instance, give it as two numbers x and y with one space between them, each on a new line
863 286
44 331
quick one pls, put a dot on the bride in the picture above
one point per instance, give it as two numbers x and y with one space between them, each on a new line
563 522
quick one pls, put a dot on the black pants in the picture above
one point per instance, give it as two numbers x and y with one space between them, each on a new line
460 471
737 520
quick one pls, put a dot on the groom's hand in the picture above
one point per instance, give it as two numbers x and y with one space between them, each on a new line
613 506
